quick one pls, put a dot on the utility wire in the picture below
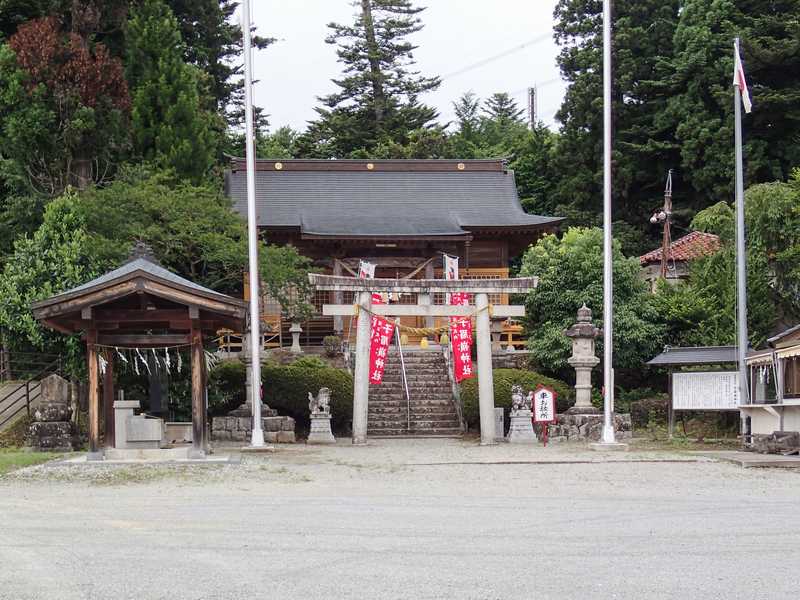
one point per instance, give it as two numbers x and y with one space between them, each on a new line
486 61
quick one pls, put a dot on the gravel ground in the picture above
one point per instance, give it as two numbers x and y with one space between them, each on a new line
403 519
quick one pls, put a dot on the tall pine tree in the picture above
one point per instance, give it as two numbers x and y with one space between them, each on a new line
378 100
170 125
701 110
644 144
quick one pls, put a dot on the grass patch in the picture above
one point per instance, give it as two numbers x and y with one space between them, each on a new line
11 460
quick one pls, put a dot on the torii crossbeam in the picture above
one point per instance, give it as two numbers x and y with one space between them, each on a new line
480 287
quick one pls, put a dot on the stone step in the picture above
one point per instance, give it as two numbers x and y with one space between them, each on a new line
399 432
438 414
435 400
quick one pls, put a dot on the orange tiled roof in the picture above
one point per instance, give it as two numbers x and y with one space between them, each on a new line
691 246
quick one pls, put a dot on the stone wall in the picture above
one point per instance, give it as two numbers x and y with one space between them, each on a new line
588 428
239 429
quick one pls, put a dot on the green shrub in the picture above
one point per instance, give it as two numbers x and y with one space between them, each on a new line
309 362
286 389
649 411
332 345
226 387
503 380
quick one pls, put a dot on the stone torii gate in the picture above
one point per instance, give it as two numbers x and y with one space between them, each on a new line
481 288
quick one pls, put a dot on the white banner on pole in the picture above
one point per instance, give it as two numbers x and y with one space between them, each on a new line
366 270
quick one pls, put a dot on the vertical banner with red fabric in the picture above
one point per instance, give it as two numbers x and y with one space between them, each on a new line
461 339
382 332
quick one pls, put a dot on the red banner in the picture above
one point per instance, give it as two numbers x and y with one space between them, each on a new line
382 331
461 339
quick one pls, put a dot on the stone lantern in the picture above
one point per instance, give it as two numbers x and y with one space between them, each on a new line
583 360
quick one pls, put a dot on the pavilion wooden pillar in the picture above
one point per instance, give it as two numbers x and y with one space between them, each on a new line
198 393
94 396
108 402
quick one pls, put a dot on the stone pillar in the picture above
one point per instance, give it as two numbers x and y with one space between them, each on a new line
296 330
361 378
583 360
52 430
485 381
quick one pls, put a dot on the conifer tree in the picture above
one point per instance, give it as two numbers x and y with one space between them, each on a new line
644 145
170 126
701 110
378 100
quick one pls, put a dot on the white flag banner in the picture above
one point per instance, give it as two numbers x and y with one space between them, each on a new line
366 270
739 79
450 267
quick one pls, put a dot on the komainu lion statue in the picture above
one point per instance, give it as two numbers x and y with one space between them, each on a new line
519 401
320 404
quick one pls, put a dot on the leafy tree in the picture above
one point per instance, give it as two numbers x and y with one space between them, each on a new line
170 126
55 259
703 311
378 96
63 110
570 273
644 143
701 109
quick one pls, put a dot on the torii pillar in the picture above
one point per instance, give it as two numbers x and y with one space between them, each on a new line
481 289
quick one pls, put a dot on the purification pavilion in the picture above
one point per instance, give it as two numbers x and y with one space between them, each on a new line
400 215
140 305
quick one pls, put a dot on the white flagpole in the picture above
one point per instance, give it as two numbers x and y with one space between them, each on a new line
608 279
741 257
257 438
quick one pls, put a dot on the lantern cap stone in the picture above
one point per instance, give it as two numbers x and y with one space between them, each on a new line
584 314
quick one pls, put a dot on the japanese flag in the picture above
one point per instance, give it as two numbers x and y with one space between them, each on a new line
739 79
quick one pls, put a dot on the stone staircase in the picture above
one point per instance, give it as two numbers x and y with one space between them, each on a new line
432 410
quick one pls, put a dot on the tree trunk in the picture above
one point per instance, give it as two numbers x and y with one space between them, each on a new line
373 55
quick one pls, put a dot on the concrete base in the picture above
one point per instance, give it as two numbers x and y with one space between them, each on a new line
257 449
521 429
608 447
321 430
584 410
154 454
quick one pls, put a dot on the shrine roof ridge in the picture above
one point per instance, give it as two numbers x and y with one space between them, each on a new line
517 285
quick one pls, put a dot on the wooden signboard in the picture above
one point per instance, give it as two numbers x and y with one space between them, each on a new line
706 390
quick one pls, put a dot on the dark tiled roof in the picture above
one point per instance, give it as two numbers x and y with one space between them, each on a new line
777 338
699 355
392 199
691 246
141 265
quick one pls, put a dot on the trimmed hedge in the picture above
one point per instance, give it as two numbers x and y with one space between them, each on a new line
286 389
503 380
226 387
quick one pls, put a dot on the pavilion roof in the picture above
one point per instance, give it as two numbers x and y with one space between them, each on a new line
384 198
71 311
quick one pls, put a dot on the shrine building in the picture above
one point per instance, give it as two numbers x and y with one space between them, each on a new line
401 215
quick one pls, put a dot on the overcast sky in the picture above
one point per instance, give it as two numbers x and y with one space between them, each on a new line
457 34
